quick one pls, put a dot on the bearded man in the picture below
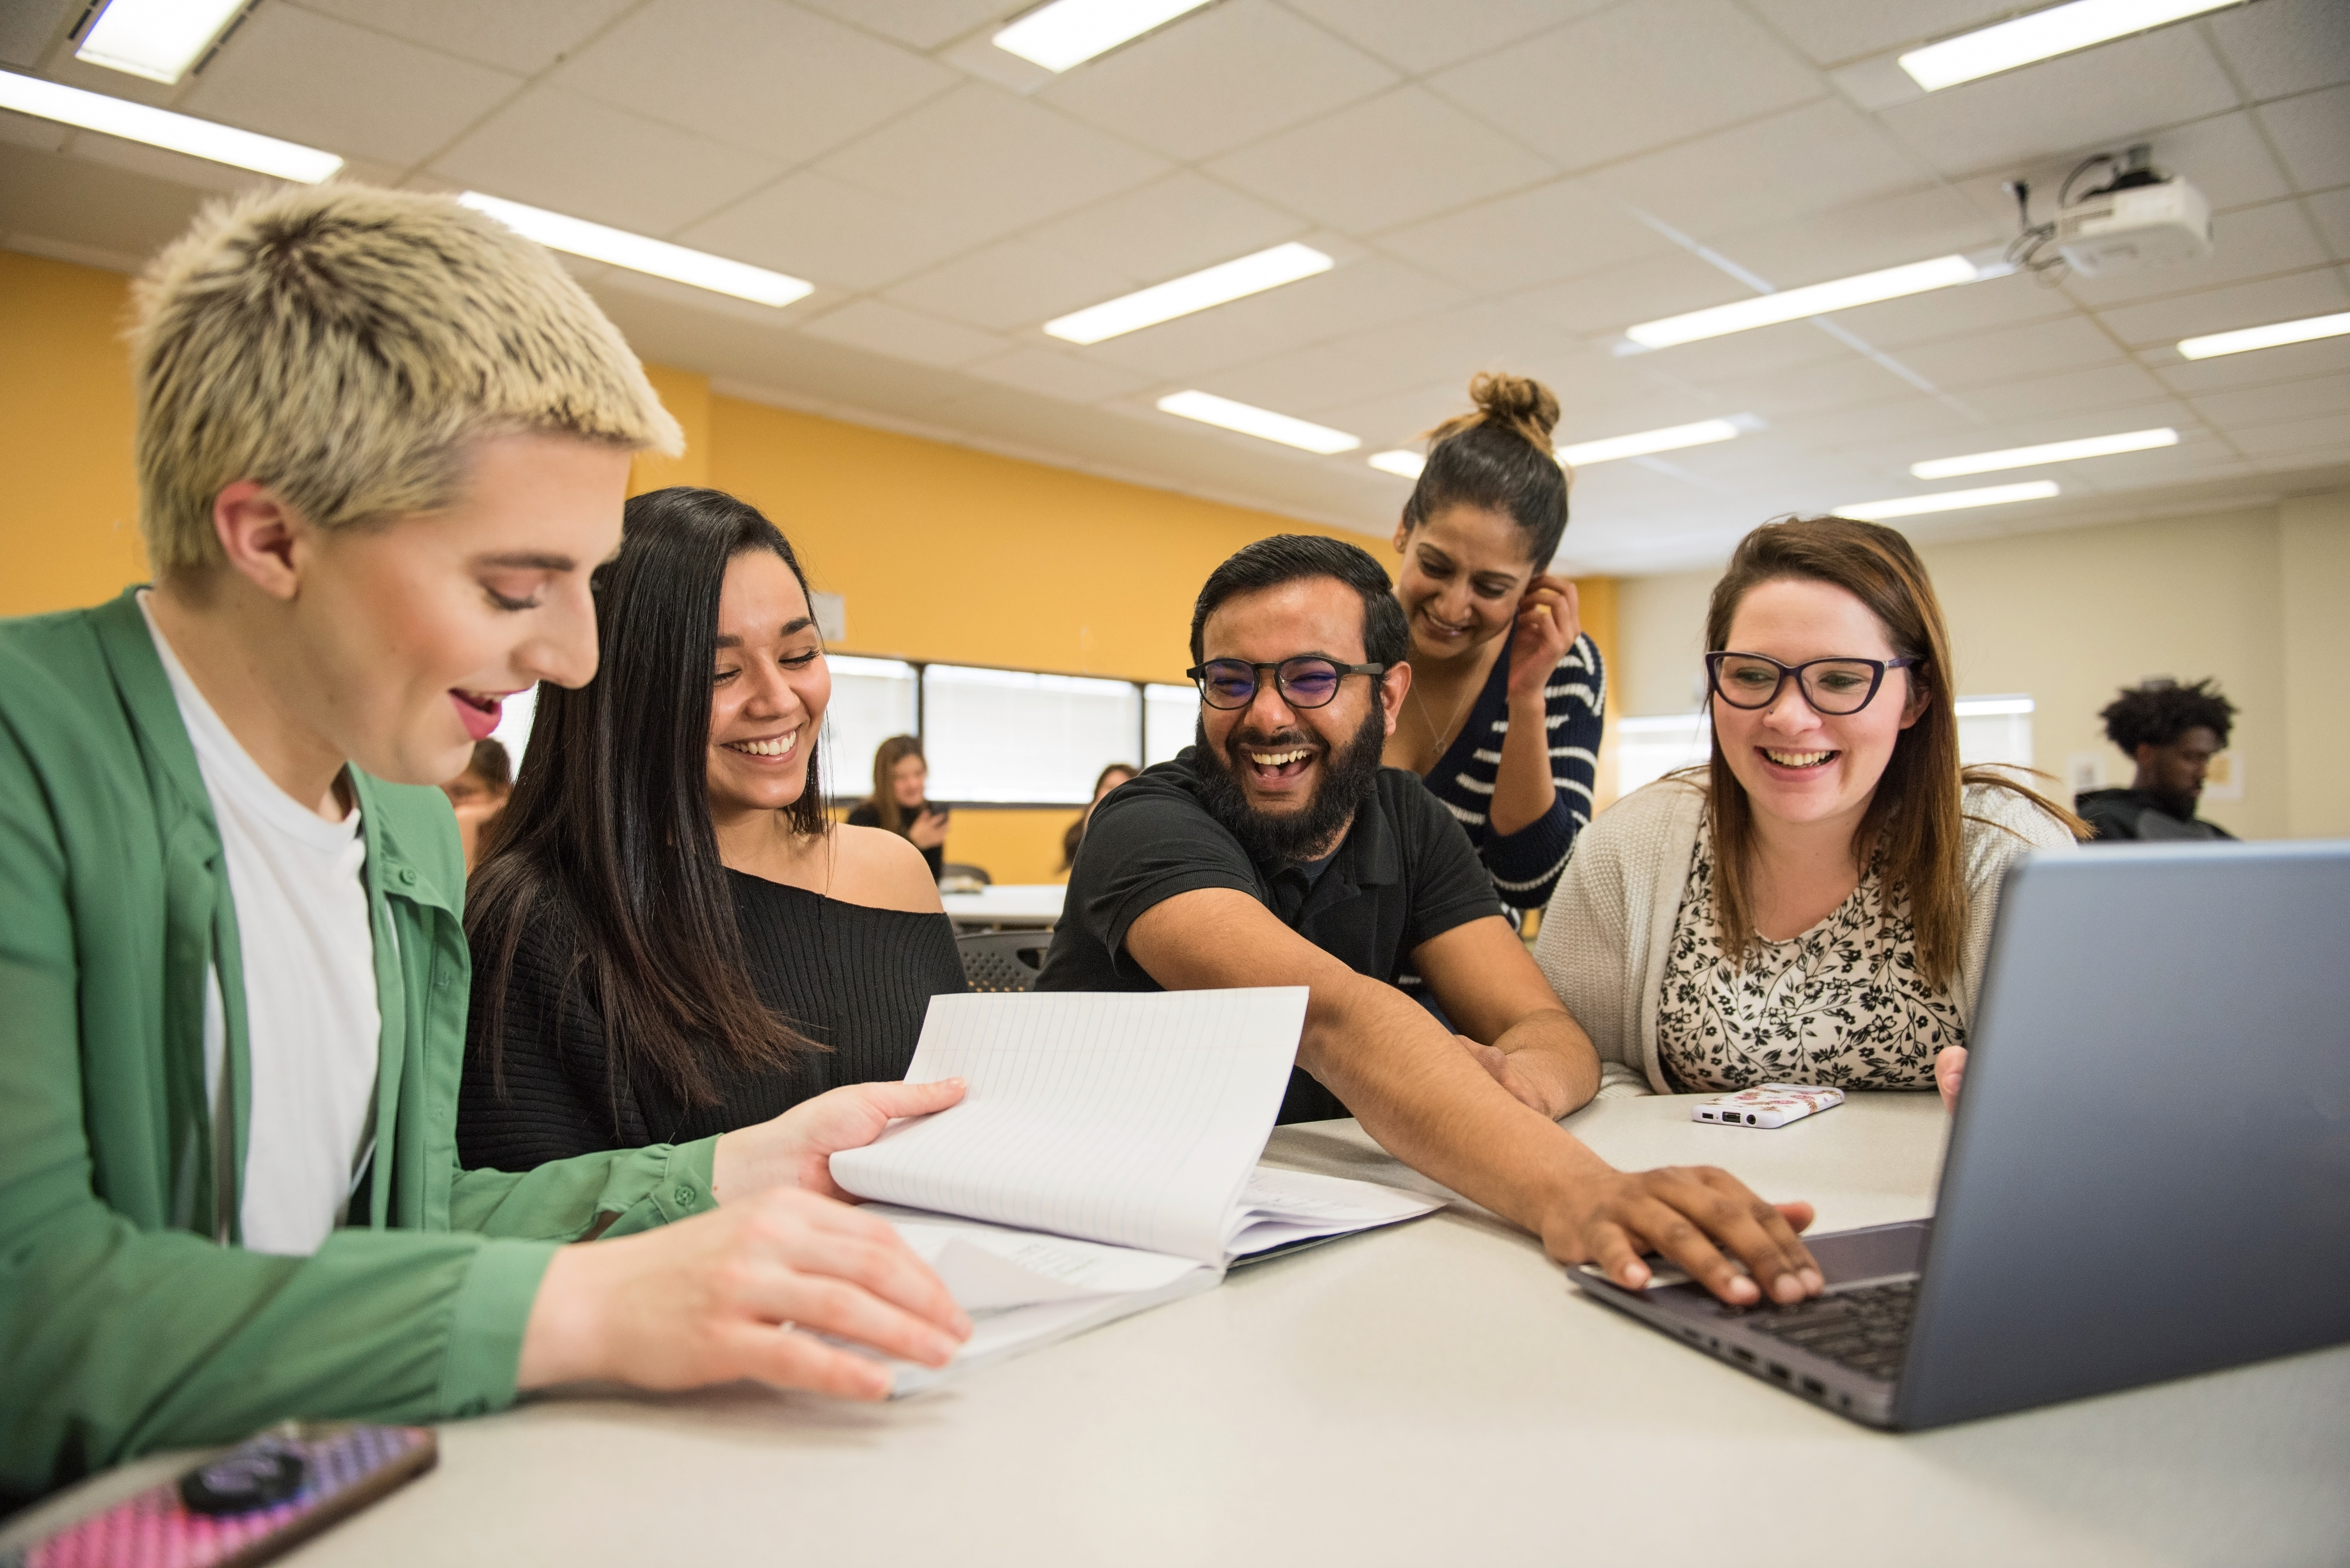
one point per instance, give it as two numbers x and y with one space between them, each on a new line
1275 850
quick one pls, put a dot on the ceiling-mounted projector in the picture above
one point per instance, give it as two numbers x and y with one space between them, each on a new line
2138 218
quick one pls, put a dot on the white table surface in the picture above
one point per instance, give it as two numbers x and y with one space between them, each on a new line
1432 1395
1010 904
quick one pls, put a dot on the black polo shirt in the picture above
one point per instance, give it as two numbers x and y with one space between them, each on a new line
1404 873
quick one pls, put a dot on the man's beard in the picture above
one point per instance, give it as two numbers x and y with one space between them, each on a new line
1349 775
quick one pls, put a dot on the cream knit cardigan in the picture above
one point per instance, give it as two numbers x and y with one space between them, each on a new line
1608 929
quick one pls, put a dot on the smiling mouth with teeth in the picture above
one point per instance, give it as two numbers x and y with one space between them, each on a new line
781 746
1278 759
1799 758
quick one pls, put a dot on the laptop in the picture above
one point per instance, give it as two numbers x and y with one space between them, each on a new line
2150 1172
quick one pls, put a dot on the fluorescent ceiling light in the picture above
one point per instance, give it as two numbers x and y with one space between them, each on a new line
1071 32
2053 452
161 128
1948 500
2059 30
158 39
639 253
1669 439
1794 304
1213 286
1208 409
1400 462
1992 707
2269 337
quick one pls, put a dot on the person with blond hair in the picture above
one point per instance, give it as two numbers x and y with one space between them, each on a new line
1815 905
1503 722
381 442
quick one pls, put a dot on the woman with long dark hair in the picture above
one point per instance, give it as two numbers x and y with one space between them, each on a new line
902 778
1815 905
1503 722
670 940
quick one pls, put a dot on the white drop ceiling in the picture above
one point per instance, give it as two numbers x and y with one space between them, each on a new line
1506 184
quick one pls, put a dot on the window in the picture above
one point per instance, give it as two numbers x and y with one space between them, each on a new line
1171 715
872 699
1011 736
1649 749
1995 730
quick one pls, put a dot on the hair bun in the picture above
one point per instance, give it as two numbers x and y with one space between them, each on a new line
1516 403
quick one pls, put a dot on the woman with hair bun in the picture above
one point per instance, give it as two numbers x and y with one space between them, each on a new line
1503 720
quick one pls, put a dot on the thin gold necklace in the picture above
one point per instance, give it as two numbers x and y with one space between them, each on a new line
1435 736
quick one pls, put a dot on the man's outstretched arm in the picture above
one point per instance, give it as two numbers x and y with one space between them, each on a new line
1429 1103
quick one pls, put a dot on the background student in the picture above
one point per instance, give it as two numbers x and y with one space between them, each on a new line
1277 851
1503 720
381 441
1109 779
670 940
1815 908
900 775
478 794
2172 733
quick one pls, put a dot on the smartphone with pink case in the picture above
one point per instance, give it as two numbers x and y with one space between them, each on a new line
1771 1105
258 1499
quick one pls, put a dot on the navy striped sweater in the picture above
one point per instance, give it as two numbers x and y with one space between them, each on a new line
1525 865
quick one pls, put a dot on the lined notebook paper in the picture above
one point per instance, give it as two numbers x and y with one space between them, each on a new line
1103 1160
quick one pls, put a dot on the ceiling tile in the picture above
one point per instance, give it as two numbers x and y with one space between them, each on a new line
2008 353
2103 97
1917 227
1011 284
2253 241
1834 31
26 28
1554 231
1738 354
2326 432
1910 425
557 149
521 36
1453 344
325 83
1803 161
128 213
1234 73
1663 285
1355 297
27 131
2114 387
2277 402
1404 155
1171 227
780 81
2331 211
2292 362
1632 79
814 226
1058 375
1395 418
1856 387
903 334
1424 37
979 152
1307 381
1968 309
2321 292
924 24
2283 46
2312 134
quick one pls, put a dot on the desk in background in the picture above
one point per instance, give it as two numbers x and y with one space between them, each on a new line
1430 1396
1015 906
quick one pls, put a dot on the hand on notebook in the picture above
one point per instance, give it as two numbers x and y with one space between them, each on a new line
1950 1068
1691 1214
795 1148
724 1295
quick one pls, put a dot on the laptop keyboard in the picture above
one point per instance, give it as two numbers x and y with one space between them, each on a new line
1866 1329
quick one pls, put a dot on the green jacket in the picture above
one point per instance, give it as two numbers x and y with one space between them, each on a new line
123 1325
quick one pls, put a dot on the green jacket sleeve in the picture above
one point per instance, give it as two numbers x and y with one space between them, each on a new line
594 1195
119 1333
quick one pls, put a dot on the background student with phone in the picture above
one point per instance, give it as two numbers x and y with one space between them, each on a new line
901 775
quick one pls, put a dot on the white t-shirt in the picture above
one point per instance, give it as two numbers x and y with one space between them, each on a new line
312 1027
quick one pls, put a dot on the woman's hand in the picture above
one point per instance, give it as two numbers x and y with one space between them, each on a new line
795 1148
741 1292
1950 1068
1691 1214
929 830
1550 618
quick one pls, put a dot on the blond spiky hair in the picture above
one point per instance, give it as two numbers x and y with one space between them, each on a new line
342 344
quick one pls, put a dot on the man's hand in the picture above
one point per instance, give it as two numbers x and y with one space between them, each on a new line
1950 1068
1538 1078
1687 1213
741 1292
795 1148
1549 619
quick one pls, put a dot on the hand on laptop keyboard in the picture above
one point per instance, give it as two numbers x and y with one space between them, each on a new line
1693 1215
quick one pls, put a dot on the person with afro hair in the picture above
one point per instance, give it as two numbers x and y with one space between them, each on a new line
2172 733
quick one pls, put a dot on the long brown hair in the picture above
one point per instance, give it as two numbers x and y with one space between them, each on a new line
884 798
609 837
1915 822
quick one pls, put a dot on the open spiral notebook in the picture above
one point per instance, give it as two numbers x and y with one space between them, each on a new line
1104 1160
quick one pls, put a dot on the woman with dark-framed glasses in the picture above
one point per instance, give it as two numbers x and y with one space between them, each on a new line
1815 905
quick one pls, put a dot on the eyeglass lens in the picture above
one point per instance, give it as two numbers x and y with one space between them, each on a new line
1302 682
1836 686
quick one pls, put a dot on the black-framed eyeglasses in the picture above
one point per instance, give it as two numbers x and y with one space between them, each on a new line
1305 681
1833 686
